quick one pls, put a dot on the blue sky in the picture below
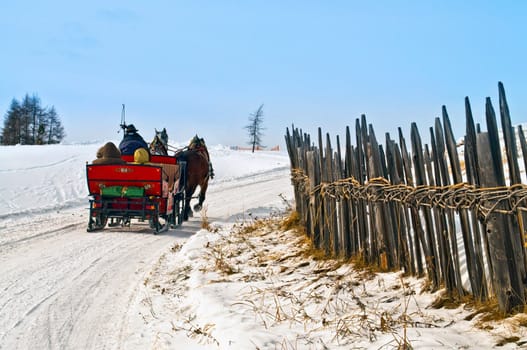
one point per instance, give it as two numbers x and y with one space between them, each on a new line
203 66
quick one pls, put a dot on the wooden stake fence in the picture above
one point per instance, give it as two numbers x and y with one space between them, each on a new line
427 212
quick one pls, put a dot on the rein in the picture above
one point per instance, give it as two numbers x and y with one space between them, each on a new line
157 145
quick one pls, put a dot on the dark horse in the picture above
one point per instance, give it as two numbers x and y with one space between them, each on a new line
159 144
198 169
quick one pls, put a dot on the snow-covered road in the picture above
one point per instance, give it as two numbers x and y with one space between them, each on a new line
69 289
64 288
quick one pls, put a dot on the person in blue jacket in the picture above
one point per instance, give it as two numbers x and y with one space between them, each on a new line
131 141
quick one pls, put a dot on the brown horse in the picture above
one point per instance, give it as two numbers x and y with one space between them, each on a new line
199 171
198 168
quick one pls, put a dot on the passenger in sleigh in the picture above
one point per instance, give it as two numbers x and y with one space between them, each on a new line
131 141
170 171
108 154
141 156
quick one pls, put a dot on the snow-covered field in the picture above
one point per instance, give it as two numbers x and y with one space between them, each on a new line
240 284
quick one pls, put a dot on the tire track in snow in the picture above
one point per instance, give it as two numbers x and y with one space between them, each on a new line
44 166
58 297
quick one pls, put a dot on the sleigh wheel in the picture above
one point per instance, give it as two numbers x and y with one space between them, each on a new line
158 224
179 207
97 223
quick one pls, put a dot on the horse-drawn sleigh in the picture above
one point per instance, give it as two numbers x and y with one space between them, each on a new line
155 187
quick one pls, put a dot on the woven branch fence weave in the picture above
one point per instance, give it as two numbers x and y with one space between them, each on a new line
456 197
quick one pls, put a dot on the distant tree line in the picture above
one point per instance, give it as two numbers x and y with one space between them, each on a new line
28 123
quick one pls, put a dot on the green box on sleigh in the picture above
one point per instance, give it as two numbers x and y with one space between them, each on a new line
123 191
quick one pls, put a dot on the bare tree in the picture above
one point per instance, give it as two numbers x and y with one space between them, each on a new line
255 128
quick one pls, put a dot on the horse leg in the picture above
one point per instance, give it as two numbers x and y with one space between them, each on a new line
201 198
187 211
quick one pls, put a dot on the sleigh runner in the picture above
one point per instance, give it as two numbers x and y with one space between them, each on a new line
153 191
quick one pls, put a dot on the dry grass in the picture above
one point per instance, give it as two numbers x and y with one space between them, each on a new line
175 248
205 224
486 316
451 301
485 312
339 296
366 270
222 261
196 331
521 320
507 340
292 222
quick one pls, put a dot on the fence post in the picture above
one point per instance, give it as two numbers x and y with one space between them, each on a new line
474 262
444 180
416 218
383 239
350 205
398 210
420 180
293 159
445 261
362 212
314 198
472 171
323 210
498 228
519 217
331 203
345 226
523 144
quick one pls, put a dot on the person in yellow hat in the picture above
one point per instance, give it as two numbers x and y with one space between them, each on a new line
141 156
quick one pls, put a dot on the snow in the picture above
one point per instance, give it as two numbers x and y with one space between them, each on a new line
241 282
